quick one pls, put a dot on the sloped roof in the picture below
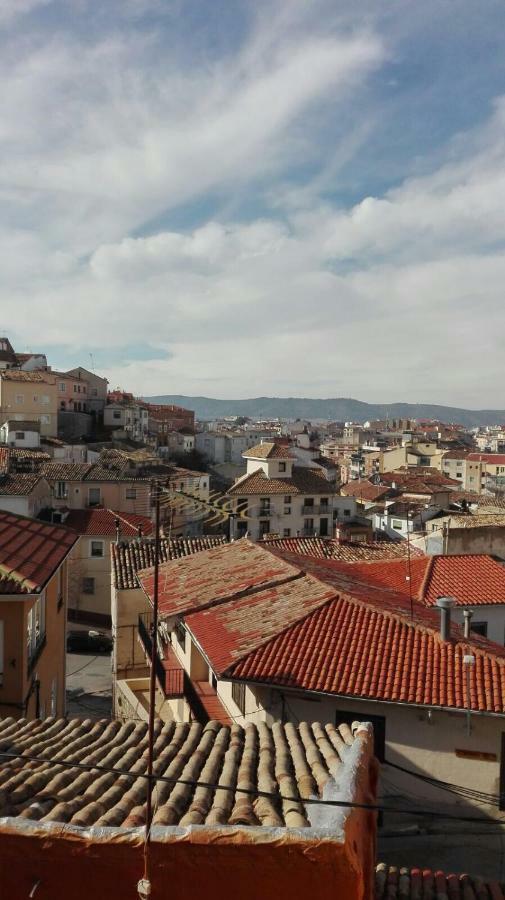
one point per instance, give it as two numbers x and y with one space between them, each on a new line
302 481
19 485
31 551
102 522
213 576
347 551
255 757
473 580
365 490
258 622
267 450
130 557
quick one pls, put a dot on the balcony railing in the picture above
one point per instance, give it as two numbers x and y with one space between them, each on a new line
315 510
170 677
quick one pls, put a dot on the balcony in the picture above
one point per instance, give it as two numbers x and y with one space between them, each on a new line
169 671
316 510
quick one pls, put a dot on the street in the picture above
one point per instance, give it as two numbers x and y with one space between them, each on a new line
89 685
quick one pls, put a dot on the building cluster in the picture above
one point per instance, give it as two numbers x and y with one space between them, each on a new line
328 646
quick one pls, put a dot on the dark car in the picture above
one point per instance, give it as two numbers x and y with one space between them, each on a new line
88 642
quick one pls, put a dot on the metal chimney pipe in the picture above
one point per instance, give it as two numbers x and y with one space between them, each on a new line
445 605
467 614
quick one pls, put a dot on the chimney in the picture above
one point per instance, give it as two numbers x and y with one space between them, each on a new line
468 613
445 605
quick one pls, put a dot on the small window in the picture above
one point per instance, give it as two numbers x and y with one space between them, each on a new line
75 389
96 548
20 398
347 512
396 524
116 414
45 420
46 399
94 496
35 398
131 493
62 387
479 628
88 585
238 695
287 532
20 435
287 500
282 467
264 527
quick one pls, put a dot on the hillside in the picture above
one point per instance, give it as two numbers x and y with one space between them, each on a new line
338 409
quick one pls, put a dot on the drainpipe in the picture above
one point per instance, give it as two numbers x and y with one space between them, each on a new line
445 604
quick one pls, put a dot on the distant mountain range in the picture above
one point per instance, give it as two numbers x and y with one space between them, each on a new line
338 409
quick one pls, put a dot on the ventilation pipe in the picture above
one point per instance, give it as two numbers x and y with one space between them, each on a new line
468 613
445 604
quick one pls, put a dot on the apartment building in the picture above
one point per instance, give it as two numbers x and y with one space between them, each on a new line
73 392
89 595
29 396
96 389
275 496
127 419
164 418
33 604
87 485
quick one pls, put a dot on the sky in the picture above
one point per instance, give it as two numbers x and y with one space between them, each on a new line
239 198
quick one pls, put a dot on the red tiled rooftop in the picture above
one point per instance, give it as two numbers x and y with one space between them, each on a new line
346 551
497 459
395 883
365 490
31 551
268 450
102 522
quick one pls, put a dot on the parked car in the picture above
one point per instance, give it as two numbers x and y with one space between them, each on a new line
88 642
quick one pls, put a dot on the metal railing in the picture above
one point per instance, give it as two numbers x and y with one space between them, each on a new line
320 510
170 678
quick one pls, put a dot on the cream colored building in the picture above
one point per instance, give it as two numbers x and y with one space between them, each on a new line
96 388
29 396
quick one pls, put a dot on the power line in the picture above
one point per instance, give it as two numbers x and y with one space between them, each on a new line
316 801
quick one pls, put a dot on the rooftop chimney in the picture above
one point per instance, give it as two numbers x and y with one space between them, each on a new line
445 605
468 613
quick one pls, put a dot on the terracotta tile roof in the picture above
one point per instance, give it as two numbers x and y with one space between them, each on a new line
473 580
99 472
456 454
496 459
21 375
303 481
395 883
102 522
477 521
131 557
215 575
347 551
267 450
19 485
57 471
282 759
278 626
229 630
22 424
405 659
31 551
364 490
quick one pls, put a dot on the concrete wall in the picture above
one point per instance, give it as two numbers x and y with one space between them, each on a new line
83 565
126 607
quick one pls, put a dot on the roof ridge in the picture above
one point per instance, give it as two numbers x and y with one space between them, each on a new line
426 578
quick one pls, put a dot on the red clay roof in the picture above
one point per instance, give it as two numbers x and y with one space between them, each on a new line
472 580
31 551
346 551
213 576
497 459
267 450
364 490
323 629
302 481
102 522
395 883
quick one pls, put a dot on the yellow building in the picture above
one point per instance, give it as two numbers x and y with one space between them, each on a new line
33 610
29 396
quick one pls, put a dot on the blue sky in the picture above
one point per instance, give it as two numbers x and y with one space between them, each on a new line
268 198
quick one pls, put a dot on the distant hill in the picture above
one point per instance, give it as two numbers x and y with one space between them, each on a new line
338 409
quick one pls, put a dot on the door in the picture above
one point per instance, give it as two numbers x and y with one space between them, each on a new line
323 527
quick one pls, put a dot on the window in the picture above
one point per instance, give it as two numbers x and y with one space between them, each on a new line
61 489
36 626
94 392
88 585
19 399
62 387
282 467
96 548
131 493
308 526
94 496
35 398
20 435
479 628
287 500
45 420
238 695
116 414
180 633
264 527
347 512
286 532
46 399
324 501
75 389
323 527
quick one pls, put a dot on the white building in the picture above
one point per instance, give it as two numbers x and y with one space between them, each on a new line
20 434
276 496
129 420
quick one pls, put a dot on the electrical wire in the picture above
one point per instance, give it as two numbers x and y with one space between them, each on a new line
346 804
93 659
467 793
